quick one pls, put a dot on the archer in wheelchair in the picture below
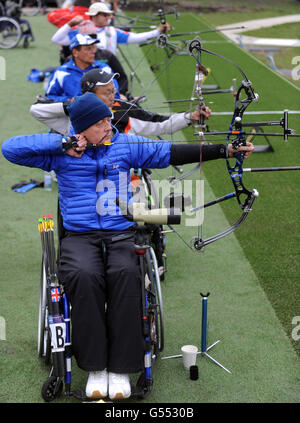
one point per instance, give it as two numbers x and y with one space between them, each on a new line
55 325
101 284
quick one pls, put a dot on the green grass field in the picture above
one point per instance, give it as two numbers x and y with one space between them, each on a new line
253 275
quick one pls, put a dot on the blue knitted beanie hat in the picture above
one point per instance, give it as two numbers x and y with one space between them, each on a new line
86 110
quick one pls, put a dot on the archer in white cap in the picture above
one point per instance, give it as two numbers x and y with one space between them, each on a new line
109 37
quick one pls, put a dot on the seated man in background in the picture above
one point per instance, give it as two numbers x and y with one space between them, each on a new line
88 28
127 117
65 82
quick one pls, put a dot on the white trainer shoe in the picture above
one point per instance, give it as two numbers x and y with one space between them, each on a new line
97 384
118 386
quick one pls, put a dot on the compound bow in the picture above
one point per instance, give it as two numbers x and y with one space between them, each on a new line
244 196
235 171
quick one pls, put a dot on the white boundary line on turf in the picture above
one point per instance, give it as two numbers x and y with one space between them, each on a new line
250 25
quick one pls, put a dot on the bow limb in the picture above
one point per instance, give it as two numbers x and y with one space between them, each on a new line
235 127
198 244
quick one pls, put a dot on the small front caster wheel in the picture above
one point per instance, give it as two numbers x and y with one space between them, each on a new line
52 388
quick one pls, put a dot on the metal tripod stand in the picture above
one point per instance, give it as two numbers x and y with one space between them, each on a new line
204 347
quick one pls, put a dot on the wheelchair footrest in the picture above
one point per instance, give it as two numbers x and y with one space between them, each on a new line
81 396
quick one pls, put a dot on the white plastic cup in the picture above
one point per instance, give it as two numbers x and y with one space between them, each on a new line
189 355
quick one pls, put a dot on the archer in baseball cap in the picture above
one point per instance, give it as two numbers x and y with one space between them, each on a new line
96 77
82 40
98 7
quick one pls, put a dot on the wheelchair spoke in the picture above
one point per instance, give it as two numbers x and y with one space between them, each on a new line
10 32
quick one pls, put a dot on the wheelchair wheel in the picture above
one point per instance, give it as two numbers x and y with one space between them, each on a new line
154 328
155 304
52 388
44 341
30 7
10 32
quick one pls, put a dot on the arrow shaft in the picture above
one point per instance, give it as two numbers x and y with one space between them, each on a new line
271 169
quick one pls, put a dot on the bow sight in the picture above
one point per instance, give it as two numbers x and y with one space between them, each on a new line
239 125
283 122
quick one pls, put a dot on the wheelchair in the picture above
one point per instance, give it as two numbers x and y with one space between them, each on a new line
54 316
12 27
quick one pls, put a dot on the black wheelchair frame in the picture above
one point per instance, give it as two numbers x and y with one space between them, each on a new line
54 322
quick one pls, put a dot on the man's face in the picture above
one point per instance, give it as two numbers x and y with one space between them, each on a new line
106 93
101 19
98 133
84 56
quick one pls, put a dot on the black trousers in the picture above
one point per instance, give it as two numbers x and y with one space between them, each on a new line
105 299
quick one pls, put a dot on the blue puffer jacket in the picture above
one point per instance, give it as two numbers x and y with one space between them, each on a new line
65 82
89 185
